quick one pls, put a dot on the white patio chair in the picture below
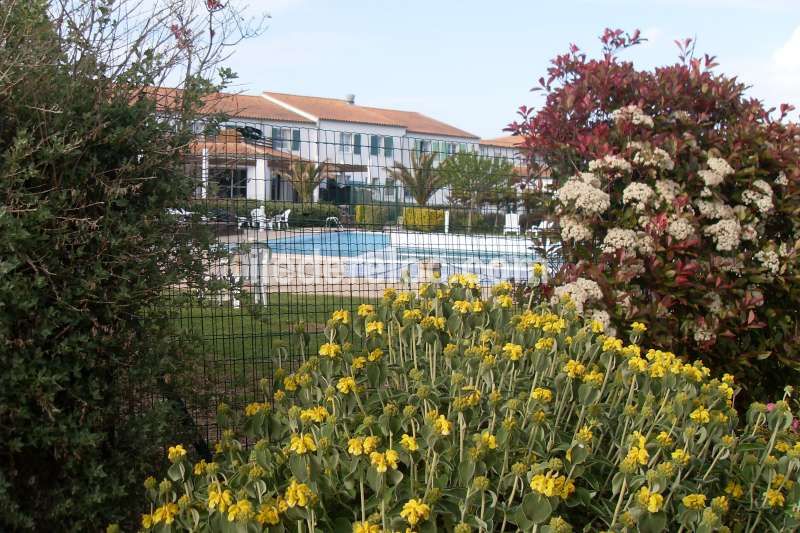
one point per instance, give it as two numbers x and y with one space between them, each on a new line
281 219
512 224
258 217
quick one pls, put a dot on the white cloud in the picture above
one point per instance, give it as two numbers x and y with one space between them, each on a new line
788 56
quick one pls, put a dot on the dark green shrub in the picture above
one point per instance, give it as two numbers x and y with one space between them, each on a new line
303 214
93 378
372 216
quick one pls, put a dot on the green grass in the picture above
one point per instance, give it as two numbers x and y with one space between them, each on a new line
241 344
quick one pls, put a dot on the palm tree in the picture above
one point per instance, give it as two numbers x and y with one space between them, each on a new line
305 176
422 179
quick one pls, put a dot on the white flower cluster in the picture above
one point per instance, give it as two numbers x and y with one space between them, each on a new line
715 302
749 232
638 194
582 192
654 158
580 291
769 260
703 334
680 229
760 196
572 230
668 190
726 234
605 319
628 240
681 116
782 179
714 210
613 164
718 170
632 114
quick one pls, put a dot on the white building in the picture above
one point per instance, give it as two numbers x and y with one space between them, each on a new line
359 144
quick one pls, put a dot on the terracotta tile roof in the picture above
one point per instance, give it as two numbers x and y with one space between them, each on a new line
507 141
342 111
230 145
234 105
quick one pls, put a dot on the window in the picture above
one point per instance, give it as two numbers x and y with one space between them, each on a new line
295 140
388 146
279 138
346 142
451 148
462 147
230 182
357 144
423 147
374 145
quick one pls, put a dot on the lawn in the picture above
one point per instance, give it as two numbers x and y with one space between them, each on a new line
242 343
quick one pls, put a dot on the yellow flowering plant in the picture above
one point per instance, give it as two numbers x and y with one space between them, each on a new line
495 421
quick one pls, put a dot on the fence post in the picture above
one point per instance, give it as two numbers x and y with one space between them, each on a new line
447 221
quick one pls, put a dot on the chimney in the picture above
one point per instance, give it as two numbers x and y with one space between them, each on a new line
350 98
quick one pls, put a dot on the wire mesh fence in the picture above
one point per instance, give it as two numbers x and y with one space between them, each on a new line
308 221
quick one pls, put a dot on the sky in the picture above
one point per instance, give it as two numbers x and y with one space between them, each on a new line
472 63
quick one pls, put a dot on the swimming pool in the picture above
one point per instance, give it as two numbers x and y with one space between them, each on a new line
332 243
393 255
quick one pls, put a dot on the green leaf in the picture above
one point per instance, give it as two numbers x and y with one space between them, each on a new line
653 523
466 470
536 507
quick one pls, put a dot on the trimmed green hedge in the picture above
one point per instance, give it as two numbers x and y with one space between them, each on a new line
423 219
372 215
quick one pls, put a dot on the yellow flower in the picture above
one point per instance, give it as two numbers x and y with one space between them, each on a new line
545 343
489 440
378 460
341 316
612 344
329 350
346 385
681 456
734 490
166 513
412 314
651 501
176 453
391 458
638 327
477 306
720 504
637 364
442 425
268 514
365 310
371 443
638 455
375 327
513 351
389 294
241 510
664 439
375 355
415 511
462 306
409 443
403 298
552 484
302 444
594 378
147 521
298 494
542 395
774 498
219 500
504 300
359 363
700 415
694 501
434 322
585 435
366 527
355 446
314 414
574 369
538 269
254 408
279 395
200 468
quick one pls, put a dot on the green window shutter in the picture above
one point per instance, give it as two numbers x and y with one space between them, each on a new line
357 143
374 145
462 147
388 146
276 137
295 140
417 146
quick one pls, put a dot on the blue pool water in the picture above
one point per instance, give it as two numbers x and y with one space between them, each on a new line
334 243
